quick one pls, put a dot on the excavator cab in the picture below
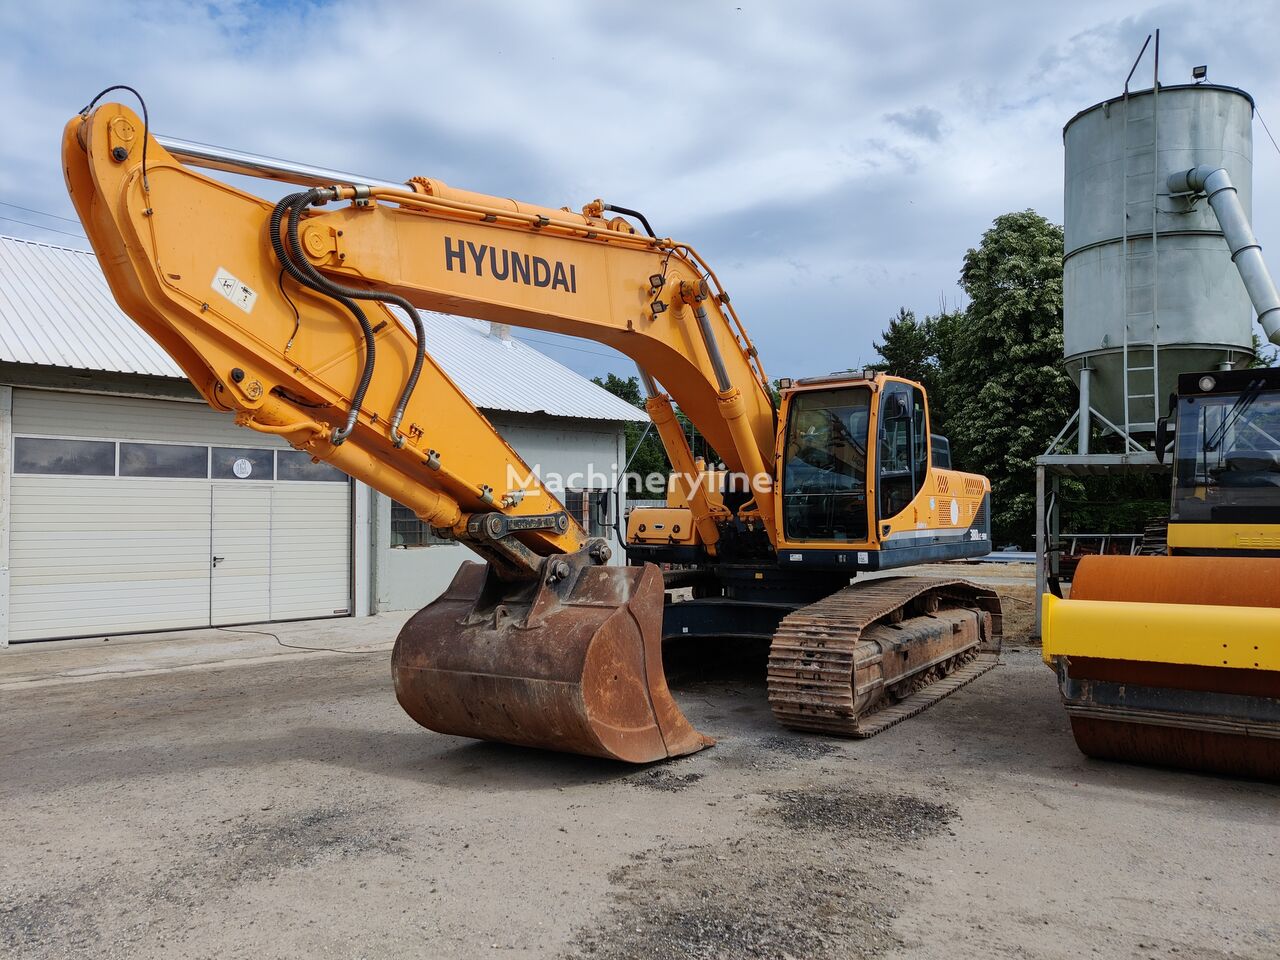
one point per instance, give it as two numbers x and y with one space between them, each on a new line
863 483
861 486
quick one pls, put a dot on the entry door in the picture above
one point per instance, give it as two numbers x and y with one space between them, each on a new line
240 575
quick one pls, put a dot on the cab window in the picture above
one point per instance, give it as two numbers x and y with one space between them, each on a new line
1228 458
824 483
941 456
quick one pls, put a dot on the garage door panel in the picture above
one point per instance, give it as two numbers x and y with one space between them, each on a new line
94 555
310 550
129 418
81 560
164 605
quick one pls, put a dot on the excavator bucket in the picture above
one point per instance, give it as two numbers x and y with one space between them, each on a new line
1172 661
570 662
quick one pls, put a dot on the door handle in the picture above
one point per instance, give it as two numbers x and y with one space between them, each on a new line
217 560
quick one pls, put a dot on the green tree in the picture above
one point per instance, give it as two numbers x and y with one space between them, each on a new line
643 451
915 349
947 331
1004 381
907 348
1264 354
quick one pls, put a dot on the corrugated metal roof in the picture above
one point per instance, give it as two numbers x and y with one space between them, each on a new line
56 310
499 373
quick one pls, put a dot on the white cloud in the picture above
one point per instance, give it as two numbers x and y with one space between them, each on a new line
833 160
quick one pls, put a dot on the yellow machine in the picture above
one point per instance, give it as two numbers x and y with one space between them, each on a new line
299 318
1175 660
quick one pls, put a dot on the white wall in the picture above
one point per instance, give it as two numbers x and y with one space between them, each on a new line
385 579
406 579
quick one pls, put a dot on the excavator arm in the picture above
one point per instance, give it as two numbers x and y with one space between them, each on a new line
299 318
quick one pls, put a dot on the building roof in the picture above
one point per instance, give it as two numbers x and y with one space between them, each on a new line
56 310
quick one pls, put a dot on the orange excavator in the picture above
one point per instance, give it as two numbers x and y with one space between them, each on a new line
300 318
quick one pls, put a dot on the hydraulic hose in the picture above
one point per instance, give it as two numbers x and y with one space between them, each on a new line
295 201
628 212
323 284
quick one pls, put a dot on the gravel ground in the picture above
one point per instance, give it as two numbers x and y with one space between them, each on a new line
289 809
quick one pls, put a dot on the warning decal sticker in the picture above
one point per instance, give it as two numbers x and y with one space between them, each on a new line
241 294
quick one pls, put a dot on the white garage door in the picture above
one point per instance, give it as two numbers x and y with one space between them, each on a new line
130 515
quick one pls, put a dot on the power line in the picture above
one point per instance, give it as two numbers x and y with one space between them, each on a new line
565 346
1266 128
41 213
65 233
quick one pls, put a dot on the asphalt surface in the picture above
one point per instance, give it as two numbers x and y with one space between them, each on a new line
284 806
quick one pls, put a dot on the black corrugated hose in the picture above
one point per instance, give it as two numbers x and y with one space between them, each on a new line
323 284
366 374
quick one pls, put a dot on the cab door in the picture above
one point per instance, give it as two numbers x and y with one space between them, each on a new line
903 449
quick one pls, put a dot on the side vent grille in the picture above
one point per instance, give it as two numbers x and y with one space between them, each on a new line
980 518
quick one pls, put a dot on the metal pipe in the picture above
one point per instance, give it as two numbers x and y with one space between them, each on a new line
1085 422
1246 252
713 349
1155 235
1042 579
647 382
266 168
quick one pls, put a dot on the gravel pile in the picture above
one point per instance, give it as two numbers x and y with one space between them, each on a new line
871 816
745 901
810 886
666 781
800 747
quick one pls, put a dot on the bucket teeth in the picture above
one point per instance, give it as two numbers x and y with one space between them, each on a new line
573 663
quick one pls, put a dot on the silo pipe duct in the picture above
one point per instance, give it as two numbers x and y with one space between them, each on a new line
1246 252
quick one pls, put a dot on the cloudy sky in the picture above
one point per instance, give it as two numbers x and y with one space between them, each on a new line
832 160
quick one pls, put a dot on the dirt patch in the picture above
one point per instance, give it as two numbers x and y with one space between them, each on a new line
802 748
665 780
745 899
115 911
797 889
874 816
253 850
1018 603
53 921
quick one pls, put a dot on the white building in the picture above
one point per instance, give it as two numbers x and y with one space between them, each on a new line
128 505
